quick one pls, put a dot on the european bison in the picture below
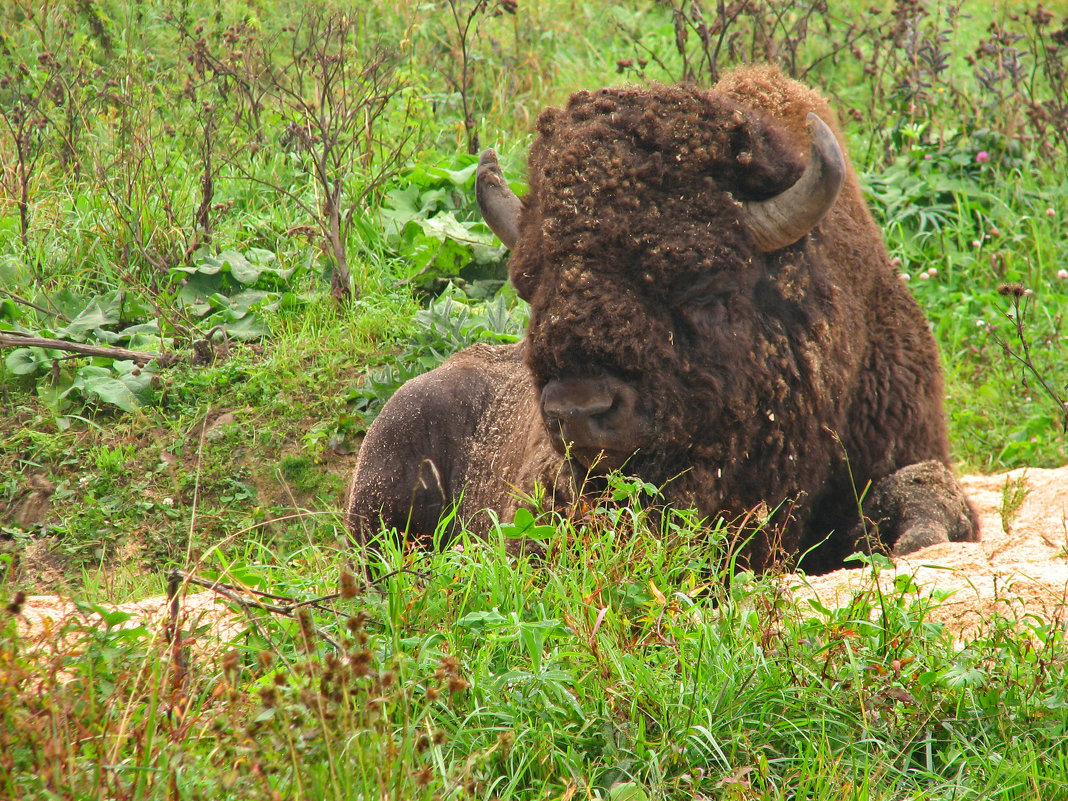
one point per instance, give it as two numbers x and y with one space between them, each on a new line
709 310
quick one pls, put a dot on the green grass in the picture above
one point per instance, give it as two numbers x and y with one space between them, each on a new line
618 664
622 666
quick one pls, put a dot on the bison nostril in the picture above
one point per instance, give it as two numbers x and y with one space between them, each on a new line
593 414
571 401
607 413
568 412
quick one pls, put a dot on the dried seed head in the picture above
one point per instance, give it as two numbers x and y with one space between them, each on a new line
348 584
1013 290
423 776
231 660
269 697
307 630
450 665
356 622
361 664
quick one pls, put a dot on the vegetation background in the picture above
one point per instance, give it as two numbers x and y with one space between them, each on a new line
229 230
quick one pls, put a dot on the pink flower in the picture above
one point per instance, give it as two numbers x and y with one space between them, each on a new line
982 157
1062 274
1051 213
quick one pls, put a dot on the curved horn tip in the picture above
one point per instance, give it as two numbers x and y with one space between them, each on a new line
499 206
822 140
782 220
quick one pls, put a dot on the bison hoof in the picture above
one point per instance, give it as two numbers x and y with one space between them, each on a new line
919 536
919 505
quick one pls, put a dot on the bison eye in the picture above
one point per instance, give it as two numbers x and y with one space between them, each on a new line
706 313
524 284
709 288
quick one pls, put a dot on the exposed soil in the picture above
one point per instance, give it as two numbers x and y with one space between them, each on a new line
1019 569
55 622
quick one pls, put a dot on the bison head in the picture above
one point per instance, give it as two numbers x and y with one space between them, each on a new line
662 248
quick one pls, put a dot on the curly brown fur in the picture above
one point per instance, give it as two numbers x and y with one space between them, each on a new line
763 372
799 376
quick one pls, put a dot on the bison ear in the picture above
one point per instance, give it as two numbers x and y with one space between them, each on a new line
498 204
782 220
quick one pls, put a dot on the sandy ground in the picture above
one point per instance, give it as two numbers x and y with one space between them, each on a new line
49 620
1019 569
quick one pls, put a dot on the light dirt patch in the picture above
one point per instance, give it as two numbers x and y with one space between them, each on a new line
55 622
1019 569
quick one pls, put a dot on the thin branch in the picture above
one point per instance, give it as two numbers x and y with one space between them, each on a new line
14 339
33 305
1020 297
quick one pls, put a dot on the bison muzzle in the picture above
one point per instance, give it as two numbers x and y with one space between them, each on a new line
713 310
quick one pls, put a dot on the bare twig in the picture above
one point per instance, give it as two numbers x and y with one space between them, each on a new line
14 339
332 91
1020 302
33 305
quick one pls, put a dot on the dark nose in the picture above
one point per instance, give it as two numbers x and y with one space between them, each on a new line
595 419
575 399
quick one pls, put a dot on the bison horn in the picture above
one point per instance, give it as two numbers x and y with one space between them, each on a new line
498 204
782 220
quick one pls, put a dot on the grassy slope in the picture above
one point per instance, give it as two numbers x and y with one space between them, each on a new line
481 675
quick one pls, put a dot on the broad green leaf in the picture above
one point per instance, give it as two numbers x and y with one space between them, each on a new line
261 257
12 271
98 313
462 176
23 361
65 302
239 267
964 676
399 208
137 379
525 526
243 301
197 289
446 226
474 621
207 265
151 327
99 382
627 791
250 326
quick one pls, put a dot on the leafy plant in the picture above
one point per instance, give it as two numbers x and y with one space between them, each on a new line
332 91
429 219
231 294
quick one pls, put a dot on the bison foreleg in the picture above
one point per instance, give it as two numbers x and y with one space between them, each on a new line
918 505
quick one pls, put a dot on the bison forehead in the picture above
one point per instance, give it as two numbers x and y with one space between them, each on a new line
647 182
638 138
